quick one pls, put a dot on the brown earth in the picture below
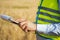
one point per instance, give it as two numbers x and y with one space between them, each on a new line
17 9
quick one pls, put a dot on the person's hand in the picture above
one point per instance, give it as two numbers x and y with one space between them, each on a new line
26 25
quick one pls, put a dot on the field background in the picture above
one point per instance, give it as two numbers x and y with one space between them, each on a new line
17 9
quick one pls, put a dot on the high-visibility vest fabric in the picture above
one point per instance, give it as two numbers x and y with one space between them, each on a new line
48 14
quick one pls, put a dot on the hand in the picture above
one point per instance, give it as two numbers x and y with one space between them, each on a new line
26 25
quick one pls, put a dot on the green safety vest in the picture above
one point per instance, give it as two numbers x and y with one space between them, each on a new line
48 13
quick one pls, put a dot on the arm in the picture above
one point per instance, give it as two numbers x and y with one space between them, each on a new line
49 28
42 28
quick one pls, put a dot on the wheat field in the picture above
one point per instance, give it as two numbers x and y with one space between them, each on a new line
17 9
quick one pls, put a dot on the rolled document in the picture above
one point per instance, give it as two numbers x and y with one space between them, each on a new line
8 18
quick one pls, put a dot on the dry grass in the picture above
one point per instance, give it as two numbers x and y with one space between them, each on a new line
17 9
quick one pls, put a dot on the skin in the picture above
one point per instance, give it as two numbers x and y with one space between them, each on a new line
26 25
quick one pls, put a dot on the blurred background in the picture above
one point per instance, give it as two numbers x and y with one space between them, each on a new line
17 9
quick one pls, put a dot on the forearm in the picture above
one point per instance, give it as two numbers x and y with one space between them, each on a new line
48 28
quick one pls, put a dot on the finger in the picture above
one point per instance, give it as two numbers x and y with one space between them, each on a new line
20 20
26 30
23 27
23 24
